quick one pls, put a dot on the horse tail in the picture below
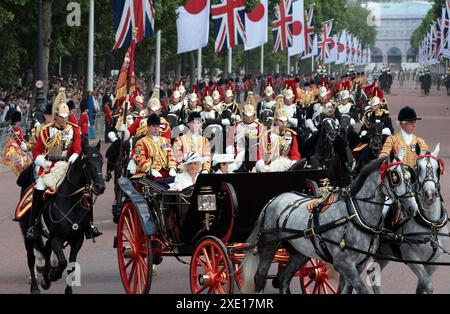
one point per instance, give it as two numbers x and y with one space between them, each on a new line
250 263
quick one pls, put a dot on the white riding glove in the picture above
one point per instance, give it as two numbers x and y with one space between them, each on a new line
73 158
386 131
205 171
226 122
260 166
112 136
132 166
156 173
363 133
172 172
23 146
352 122
40 161
310 124
293 122
122 128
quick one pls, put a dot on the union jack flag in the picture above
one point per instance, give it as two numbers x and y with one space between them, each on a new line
445 29
309 33
282 26
129 14
437 38
326 42
229 24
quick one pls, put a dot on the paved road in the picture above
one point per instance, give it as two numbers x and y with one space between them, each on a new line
99 262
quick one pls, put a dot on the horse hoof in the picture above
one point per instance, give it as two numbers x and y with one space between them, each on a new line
46 284
276 283
68 290
35 290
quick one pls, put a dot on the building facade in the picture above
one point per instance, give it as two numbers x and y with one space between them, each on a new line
395 22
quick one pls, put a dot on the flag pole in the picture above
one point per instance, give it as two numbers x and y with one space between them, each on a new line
230 60
90 66
288 72
261 69
199 64
312 64
158 58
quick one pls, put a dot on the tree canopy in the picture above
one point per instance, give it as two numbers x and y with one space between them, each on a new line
18 30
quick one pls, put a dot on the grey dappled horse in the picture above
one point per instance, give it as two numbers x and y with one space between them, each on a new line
428 169
369 191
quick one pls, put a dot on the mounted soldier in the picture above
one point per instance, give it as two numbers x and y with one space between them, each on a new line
280 145
192 106
323 109
58 145
265 108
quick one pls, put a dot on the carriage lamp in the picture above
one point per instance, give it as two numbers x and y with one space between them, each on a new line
206 200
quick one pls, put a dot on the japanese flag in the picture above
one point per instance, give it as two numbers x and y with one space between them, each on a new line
193 25
256 24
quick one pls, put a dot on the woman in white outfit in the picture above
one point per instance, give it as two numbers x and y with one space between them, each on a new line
224 161
191 168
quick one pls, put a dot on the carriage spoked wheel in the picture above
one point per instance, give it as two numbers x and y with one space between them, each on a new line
314 278
133 252
211 269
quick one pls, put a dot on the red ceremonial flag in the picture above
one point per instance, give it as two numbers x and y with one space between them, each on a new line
126 84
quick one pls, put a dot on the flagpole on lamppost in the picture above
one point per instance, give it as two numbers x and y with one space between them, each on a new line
90 66
288 72
158 58
230 60
261 69
40 97
199 64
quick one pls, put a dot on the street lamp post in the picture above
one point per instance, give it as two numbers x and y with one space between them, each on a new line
40 97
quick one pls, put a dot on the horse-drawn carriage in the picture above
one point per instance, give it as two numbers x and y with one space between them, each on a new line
210 222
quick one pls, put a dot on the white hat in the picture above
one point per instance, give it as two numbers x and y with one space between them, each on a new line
223 158
191 158
323 92
229 93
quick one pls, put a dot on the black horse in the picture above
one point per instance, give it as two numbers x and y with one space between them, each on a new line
326 149
66 217
385 79
447 83
372 150
425 83
361 102
347 131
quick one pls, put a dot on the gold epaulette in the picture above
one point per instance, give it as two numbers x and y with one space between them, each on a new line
292 131
73 124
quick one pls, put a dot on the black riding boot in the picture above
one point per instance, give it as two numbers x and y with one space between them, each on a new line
36 210
92 231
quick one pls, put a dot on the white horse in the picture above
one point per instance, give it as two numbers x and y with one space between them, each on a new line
431 219
288 212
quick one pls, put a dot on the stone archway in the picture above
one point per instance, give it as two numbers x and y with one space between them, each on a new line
376 55
394 55
411 55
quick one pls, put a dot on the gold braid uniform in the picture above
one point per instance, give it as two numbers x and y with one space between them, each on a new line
155 155
185 144
395 142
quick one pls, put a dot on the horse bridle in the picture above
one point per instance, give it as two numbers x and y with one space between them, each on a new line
429 174
88 187
395 179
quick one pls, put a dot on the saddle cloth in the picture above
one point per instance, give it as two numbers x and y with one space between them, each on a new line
323 203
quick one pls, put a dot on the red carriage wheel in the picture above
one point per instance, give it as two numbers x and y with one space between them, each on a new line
133 248
314 278
211 269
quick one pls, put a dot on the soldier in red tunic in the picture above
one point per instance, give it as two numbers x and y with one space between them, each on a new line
83 122
57 141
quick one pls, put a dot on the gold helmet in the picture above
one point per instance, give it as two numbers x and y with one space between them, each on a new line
250 107
281 114
60 107
153 103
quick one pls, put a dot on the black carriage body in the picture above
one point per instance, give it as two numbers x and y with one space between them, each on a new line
240 198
